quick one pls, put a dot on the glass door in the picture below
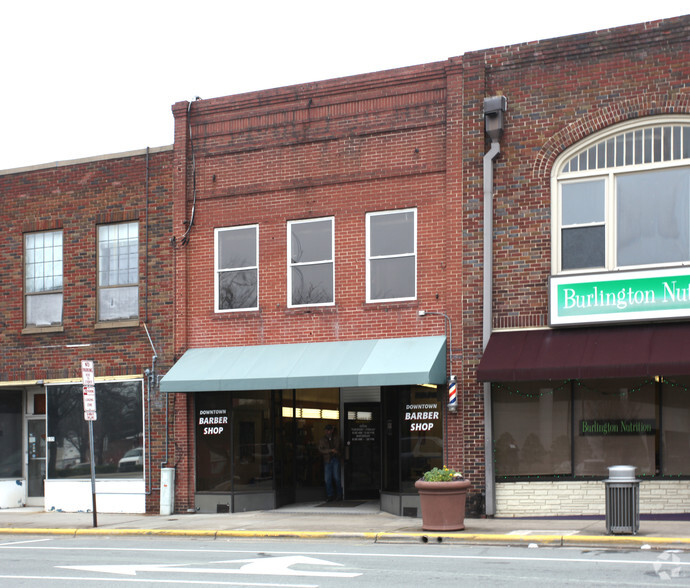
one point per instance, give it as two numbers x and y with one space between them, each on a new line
362 450
36 460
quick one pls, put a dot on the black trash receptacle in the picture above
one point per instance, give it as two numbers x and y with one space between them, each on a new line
622 501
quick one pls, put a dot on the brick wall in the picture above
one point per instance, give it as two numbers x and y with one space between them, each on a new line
76 197
540 499
412 137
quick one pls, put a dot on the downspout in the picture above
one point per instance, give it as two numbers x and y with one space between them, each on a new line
494 108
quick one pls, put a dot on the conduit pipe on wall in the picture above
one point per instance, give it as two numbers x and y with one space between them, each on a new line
494 108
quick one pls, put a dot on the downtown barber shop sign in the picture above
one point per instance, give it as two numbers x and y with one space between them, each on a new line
619 297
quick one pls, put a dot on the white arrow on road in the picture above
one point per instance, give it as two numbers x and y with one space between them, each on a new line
265 566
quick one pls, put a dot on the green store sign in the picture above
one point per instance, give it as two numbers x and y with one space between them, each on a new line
620 296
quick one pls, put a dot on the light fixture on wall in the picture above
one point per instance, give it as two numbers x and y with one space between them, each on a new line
452 384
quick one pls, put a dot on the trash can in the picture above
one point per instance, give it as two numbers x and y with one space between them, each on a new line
622 500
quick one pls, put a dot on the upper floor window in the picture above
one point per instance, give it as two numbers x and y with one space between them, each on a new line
621 199
118 271
392 255
43 278
237 270
310 260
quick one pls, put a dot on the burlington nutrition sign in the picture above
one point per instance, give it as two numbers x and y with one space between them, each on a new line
619 296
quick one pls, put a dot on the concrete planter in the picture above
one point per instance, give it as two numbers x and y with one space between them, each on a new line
443 504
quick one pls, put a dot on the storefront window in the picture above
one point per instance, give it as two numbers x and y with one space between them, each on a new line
531 429
234 445
118 431
616 425
675 437
421 434
11 434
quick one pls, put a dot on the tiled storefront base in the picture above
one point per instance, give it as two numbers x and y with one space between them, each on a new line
539 499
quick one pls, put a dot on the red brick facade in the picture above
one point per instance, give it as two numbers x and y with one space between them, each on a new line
406 138
77 197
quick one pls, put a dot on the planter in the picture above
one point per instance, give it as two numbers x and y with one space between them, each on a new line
443 504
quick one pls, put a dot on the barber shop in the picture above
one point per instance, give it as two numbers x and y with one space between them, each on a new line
315 422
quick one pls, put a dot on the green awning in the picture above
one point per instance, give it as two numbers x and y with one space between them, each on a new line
337 364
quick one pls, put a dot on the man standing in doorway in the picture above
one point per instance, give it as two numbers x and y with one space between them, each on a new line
329 446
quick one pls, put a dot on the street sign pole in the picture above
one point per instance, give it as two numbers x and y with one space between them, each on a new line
89 388
93 475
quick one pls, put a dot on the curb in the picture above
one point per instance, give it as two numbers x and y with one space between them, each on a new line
380 537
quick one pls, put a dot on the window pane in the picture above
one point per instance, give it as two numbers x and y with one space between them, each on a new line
11 419
583 202
392 234
600 402
420 451
118 432
252 443
532 433
675 438
44 310
228 427
237 289
653 217
118 254
393 278
312 284
237 248
583 247
118 303
311 241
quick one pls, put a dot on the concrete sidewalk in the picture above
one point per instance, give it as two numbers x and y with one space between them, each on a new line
362 520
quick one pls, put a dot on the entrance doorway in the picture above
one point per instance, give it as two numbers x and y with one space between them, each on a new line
36 468
362 450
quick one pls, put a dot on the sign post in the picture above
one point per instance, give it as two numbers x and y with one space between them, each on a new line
89 387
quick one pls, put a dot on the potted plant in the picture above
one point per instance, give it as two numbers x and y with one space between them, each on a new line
442 495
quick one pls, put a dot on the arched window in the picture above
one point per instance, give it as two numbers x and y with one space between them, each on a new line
621 198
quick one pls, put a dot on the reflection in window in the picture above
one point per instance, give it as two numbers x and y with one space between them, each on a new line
675 437
118 271
310 256
421 447
531 429
118 431
234 448
43 278
392 255
620 403
237 268
624 201
11 434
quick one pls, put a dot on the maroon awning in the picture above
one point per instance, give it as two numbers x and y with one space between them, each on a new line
596 352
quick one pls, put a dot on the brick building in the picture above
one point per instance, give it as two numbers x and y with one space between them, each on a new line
336 252
330 239
86 263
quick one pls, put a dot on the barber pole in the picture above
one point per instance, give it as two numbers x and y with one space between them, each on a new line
452 394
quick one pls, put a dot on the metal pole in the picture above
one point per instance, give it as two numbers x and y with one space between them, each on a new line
93 476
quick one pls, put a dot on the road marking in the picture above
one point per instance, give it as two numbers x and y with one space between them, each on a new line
264 566
537 532
204 582
23 542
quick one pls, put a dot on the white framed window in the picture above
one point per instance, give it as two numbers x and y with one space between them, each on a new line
311 270
621 198
118 271
392 255
43 279
237 268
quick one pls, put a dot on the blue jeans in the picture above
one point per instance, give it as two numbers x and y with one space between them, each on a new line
332 478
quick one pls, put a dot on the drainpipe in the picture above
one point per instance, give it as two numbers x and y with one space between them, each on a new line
494 108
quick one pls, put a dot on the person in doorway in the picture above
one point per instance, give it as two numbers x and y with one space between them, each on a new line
329 447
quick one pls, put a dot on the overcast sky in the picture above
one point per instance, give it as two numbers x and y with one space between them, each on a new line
84 78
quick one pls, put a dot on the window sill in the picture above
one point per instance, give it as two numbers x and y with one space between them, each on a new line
117 324
41 330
